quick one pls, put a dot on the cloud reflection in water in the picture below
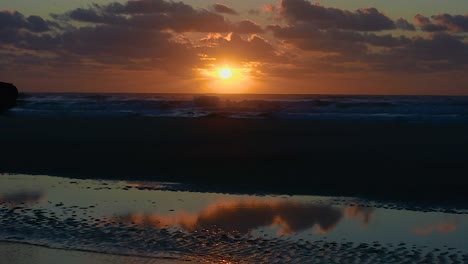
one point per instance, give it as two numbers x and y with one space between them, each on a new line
22 197
245 216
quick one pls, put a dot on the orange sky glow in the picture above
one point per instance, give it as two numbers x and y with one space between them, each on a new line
282 47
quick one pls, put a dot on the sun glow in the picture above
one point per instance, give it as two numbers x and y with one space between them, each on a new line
226 78
225 73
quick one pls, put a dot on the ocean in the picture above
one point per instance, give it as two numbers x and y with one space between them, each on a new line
436 109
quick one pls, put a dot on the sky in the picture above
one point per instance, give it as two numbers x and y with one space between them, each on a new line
236 46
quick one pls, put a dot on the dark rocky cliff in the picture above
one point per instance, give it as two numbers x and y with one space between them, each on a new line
8 96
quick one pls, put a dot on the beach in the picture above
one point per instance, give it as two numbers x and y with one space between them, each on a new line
49 219
247 155
217 189
31 254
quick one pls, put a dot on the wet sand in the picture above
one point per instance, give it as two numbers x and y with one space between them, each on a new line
16 253
389 160
150 223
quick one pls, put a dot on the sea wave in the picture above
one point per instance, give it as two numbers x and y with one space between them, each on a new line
320 107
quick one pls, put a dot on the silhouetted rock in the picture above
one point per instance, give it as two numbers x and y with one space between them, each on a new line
8 96
207 101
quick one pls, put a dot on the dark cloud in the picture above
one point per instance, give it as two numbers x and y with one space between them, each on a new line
237 49
439 47
224 9
93 16
402 23
134 35
16 20
152 14
107 45
456 23
313 28
426 25
145 7
160 15
115 41
442 22
197 21
364 19
247 27
436 53
308 37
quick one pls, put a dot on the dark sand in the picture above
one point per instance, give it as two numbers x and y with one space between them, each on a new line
426 162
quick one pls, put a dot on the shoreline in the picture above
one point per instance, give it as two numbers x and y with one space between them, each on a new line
382 159
19 252
135 220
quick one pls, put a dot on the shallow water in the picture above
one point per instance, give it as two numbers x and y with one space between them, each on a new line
156 220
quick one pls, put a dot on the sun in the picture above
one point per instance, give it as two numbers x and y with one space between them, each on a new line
225 73
226 78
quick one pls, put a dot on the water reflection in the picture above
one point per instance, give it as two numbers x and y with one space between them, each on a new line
22 197
245 216
441 228
125 217
363 213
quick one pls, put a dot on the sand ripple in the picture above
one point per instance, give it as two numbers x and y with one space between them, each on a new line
111 235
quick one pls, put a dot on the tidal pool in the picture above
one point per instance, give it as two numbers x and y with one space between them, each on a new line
157 220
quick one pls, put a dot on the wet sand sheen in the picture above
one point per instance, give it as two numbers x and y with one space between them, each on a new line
139 219
16 253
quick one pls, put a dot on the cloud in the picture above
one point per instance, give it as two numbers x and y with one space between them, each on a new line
224 9
455 23
160 15
151 14
194 21
137 35
16 20
352 50
247 27
426 25
106 46
403 24
145 7
130 48
93 16
165 37
307 36
442 22
234 48
435 53
363 19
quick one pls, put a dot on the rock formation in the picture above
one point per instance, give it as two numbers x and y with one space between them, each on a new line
8 96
